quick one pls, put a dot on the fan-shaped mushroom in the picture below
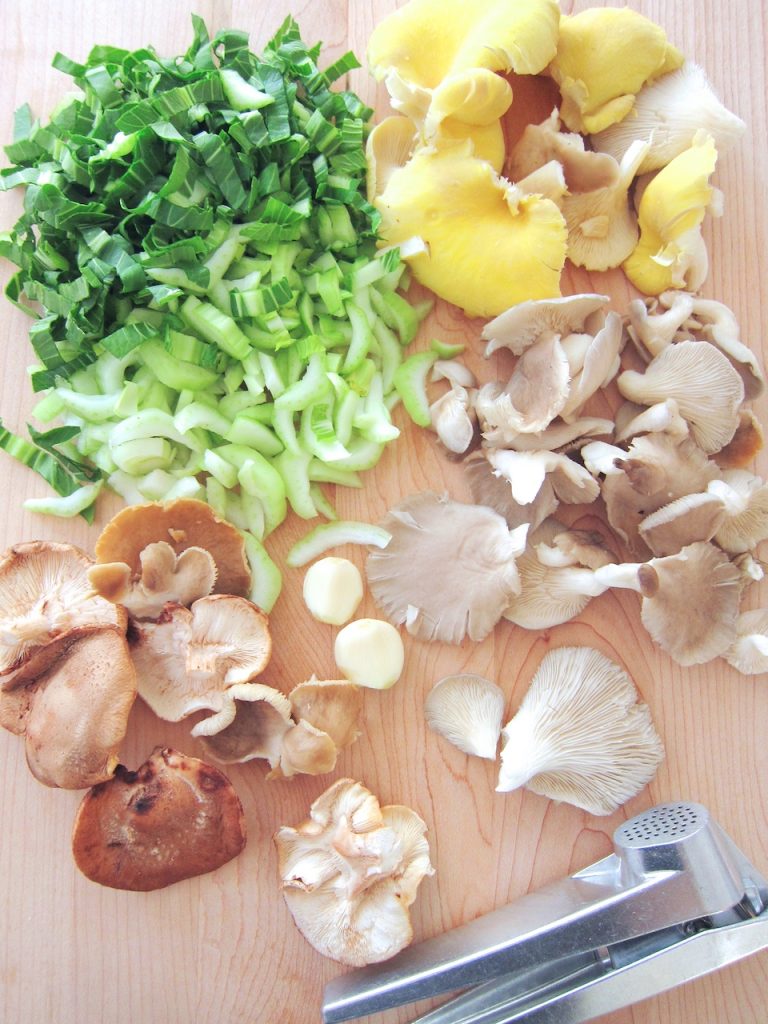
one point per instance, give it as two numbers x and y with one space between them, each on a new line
520 326
581 735
467 710
164 576
449 569
173 818
745 502
689 600
74 714
45 600
351 871
749 651
183 523
702 381
666 114
188 657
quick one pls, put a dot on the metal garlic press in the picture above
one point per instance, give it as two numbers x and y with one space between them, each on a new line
675 900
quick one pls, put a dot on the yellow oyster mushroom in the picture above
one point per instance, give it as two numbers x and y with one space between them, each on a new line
466 106
425 41
489 244
671 253
604 57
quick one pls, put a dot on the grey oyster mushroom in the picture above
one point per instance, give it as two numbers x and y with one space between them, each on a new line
666 115
652 332
694 517
581 734
557 576
703 382
467 710
453 419
449 570
690 600
749 651
520 326
527 472
597 366
661 418
350 871
745 503
654 471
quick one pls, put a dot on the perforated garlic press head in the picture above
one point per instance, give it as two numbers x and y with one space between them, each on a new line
675 900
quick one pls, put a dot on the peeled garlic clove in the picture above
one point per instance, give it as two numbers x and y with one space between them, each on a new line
467 710
333 589
370 653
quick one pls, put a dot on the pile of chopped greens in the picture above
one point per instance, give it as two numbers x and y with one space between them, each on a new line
211 316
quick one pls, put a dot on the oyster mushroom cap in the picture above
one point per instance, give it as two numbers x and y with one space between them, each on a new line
187 659
173 818
745 519
351 871
719 325
449 569
690 600
463 211
654 331
252 722
494 492
427 40
520 326
45 598
554 584
453 419
331 705
182 523
527 473
654 471
305 751
74 715
706 387
600 365
694 517
164 576
467 710
581 734
604 58
667 113
745 444
535 393
671 252
749 651
663 417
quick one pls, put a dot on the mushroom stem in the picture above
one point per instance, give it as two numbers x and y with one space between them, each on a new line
26 629
524 754
638 576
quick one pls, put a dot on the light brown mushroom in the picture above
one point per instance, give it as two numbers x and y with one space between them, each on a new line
164 576
74 715
689 600
520 326
449 569
655 471
467 710
749 651
331 705
45 600
252 723
536 392
174 818
350 872
186 659
555 582
745 443
694 517
707 389
581 734
745 502
182 523
305 751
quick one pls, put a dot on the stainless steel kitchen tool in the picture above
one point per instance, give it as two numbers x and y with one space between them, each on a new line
675 900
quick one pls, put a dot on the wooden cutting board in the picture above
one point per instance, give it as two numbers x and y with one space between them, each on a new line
223 949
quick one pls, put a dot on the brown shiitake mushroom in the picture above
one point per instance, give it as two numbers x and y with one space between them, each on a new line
173 818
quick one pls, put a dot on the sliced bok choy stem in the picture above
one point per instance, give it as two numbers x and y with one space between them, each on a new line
332 535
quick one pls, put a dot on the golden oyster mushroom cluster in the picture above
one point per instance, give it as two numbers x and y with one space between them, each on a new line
486 227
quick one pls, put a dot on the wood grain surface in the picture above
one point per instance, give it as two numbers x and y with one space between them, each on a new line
222 949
